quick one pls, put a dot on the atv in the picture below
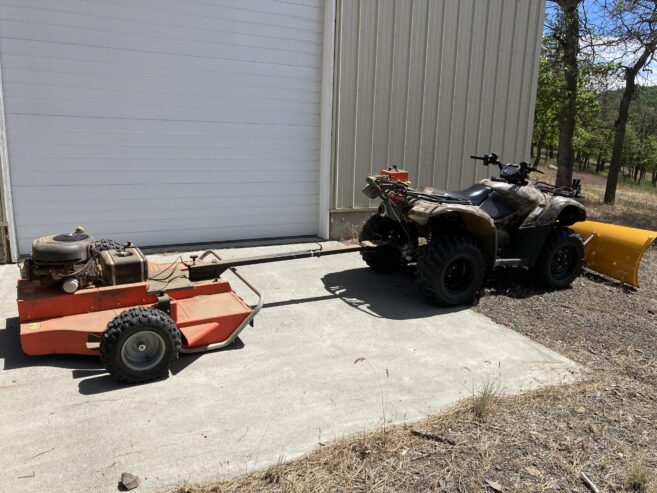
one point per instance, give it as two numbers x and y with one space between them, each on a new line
454 239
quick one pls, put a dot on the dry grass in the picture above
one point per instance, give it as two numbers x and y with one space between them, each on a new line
638 478
634 207
541 441
484 400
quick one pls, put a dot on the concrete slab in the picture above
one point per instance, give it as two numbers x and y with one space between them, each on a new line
336 350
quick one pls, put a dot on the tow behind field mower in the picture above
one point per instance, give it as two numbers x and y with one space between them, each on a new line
77 295
81 296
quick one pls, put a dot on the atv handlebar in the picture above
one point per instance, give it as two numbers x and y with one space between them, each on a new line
529 168
489 159
514 177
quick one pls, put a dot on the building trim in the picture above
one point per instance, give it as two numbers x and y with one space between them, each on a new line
326 120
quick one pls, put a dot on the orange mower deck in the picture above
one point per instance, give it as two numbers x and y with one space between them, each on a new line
208 313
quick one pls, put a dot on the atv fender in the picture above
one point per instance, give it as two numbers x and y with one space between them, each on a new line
474 221
563 210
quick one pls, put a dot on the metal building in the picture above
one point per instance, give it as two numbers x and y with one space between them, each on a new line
167 122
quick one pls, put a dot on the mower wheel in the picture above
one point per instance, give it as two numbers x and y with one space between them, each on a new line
385 257
561 259
139 344
450 270
104 244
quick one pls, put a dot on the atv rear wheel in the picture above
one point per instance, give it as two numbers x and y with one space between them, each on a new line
139 344
381 231
561 259
451 270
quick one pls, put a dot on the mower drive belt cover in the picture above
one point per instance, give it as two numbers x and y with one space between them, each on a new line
614 251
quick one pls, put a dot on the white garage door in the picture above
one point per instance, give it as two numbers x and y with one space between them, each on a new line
163 121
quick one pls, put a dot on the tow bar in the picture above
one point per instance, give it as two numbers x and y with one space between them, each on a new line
205 271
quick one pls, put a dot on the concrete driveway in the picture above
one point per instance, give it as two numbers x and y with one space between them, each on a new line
336 350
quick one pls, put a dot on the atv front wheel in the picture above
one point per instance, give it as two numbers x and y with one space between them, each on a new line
451 270
139 344
381 231
561 259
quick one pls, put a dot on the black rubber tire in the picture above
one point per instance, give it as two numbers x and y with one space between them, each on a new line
546 267
379 230
438 262
105 244
129 323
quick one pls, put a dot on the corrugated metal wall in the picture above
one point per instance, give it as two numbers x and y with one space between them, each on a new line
426 83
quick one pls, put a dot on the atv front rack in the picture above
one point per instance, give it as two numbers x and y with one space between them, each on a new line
573 191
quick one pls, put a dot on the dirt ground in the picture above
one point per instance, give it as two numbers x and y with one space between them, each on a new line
604 426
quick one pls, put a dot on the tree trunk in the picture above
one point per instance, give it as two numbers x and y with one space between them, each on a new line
551 151
621 122
619 138
569 109
654 178
539 148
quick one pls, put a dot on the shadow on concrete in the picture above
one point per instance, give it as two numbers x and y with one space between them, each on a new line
93 377
297 301
390 296
102 382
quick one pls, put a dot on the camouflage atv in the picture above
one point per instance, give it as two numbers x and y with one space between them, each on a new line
456 238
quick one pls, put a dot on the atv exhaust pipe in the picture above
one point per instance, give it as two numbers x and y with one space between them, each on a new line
614 251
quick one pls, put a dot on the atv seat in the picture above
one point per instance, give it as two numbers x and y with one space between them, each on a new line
476 193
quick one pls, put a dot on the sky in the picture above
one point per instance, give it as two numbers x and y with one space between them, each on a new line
596 16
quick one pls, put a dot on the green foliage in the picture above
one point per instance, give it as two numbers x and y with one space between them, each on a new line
597 110
548 100
550 97
640 146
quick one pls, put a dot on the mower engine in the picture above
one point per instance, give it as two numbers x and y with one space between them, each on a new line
76 261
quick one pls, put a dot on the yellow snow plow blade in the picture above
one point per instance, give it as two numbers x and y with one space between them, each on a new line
614 251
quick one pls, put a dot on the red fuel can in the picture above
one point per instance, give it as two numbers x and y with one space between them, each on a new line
396 174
